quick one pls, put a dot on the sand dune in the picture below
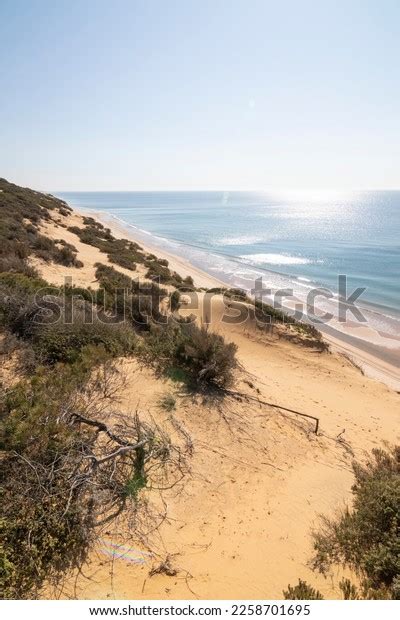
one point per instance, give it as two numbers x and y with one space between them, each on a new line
240 525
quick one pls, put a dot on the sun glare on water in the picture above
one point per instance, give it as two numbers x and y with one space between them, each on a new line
313 196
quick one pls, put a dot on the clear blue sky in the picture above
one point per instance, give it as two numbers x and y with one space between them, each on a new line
200 94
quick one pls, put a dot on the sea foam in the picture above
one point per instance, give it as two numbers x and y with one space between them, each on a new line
275 259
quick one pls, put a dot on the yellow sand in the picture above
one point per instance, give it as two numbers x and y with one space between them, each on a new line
240 527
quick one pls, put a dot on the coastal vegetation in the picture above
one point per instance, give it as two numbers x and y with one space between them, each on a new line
303 592
365 537
71 463
57 322
159 270
119 251
128 254
167 401
267 316
204 357
22 212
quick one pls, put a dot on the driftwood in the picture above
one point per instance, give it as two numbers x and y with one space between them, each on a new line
237 394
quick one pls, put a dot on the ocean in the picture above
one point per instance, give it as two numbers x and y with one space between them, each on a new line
296 241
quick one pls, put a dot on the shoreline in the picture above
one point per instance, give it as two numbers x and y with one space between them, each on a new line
259 475
176 263
374 361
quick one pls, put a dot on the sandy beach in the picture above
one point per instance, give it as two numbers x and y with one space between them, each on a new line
240 525
372 356
200 309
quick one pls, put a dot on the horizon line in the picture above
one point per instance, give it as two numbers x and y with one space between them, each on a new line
277 190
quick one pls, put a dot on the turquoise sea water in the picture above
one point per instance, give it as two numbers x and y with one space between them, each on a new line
296 241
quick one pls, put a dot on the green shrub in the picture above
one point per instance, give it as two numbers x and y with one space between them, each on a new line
51 495
230 293
349 590
67 256
79 292
119 251
303 591
144 304
65 210
17 294
207 355
159 346
135 301
26 284
110 279
175 301
188 283
22 210
14 264
203 355
366 537
40 540
158 271
267 315
67 469
59 325
46 526
64 342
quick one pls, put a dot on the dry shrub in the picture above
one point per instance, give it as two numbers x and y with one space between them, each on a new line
68 469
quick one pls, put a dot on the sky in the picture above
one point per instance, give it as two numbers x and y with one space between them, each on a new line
200 94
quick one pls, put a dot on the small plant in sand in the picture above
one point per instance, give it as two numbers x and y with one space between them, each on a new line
302 591
167 401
